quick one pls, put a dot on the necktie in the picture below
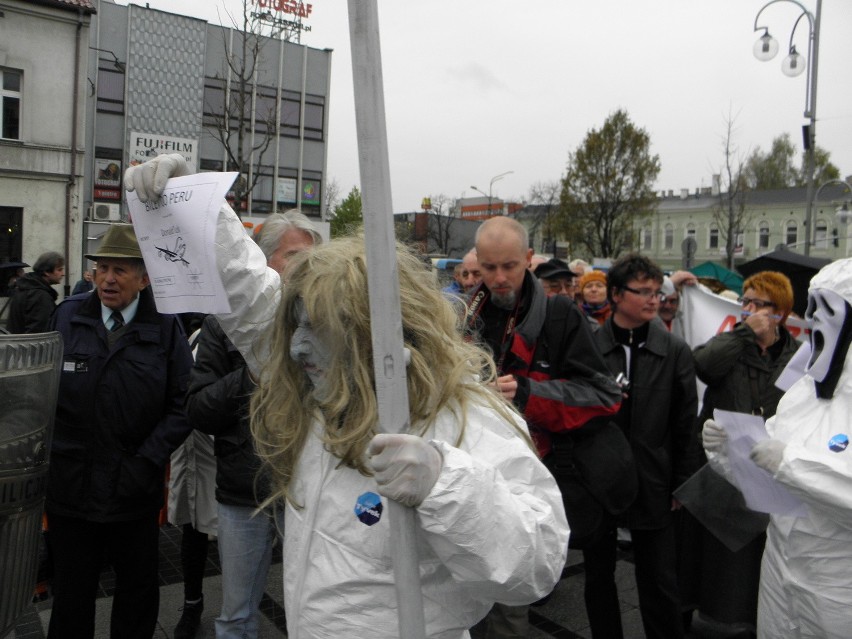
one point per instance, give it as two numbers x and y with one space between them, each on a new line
117 321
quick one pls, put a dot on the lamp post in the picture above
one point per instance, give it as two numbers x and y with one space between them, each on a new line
842 212
765 49
499 176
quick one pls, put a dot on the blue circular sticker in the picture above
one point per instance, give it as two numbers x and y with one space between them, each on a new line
838 443
368 508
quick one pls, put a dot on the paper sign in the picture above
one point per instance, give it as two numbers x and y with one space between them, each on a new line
760 490
177 236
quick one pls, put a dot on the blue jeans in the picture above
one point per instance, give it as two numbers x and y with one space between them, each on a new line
245 551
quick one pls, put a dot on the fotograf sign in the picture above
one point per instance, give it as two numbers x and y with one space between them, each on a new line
292 7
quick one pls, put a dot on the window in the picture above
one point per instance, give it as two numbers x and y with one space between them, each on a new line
792 233
647 235
214 98
763 236
10 110
713 238
314 109
110 88
668 237
264 113
821 235
690 231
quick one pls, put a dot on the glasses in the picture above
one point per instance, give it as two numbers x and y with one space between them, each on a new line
646 293
555 286
669 300
745 301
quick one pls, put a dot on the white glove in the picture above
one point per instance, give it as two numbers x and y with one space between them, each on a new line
149 179
768 454
713 436
405 466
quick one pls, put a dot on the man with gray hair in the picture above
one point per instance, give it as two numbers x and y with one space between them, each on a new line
217 404
35 298
119 416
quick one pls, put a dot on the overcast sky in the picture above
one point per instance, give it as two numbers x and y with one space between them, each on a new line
475 88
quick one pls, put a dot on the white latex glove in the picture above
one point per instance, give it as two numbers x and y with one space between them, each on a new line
405 466
768 454
149 179
713 436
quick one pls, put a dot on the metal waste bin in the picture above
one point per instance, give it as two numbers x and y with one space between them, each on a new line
29 383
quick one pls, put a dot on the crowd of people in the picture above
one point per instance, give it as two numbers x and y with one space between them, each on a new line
551 405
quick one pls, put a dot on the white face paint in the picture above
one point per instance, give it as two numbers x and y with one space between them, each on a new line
309 351
827 313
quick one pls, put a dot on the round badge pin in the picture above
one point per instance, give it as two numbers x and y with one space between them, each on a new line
368 508
838 443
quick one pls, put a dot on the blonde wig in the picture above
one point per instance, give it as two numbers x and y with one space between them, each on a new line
331 281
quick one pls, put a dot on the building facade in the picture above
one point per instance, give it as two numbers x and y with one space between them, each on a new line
43 91
228 101
690 223
770 218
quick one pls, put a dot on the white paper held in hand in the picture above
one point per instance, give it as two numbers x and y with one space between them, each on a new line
176 235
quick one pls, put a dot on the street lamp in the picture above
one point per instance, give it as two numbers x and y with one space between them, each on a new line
842 212
794 64
490 187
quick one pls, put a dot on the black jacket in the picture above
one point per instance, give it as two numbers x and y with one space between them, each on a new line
218 404
738 377
563 383
32 305
120 411
658 418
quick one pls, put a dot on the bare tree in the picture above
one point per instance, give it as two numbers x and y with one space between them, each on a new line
245 124
730 212
441 222
545 195
330 197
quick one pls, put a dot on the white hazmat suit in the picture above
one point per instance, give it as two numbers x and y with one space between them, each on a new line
806 574
492 528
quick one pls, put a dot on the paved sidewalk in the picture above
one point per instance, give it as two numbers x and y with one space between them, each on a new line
563 616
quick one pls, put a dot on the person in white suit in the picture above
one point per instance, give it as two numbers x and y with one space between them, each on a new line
805 585
491 525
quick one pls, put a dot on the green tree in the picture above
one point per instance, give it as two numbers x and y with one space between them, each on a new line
347 215
776 169
607 188
824 170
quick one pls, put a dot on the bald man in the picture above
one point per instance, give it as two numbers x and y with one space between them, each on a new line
471 276
558 384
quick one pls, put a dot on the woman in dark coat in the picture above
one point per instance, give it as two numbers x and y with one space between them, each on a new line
740 369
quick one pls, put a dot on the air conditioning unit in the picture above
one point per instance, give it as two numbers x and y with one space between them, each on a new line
107 212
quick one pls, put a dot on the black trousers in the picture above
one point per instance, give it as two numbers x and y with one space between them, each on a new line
193 557
654 554
78 548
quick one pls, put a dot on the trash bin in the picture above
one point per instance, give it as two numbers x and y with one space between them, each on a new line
29 383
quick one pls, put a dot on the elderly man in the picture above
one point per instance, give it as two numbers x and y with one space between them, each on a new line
119 417
217 404
556 278
471 273
560 383
35 298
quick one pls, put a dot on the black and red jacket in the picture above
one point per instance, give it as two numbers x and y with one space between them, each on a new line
563 381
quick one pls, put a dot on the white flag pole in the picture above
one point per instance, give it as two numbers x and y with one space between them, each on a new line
383 282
